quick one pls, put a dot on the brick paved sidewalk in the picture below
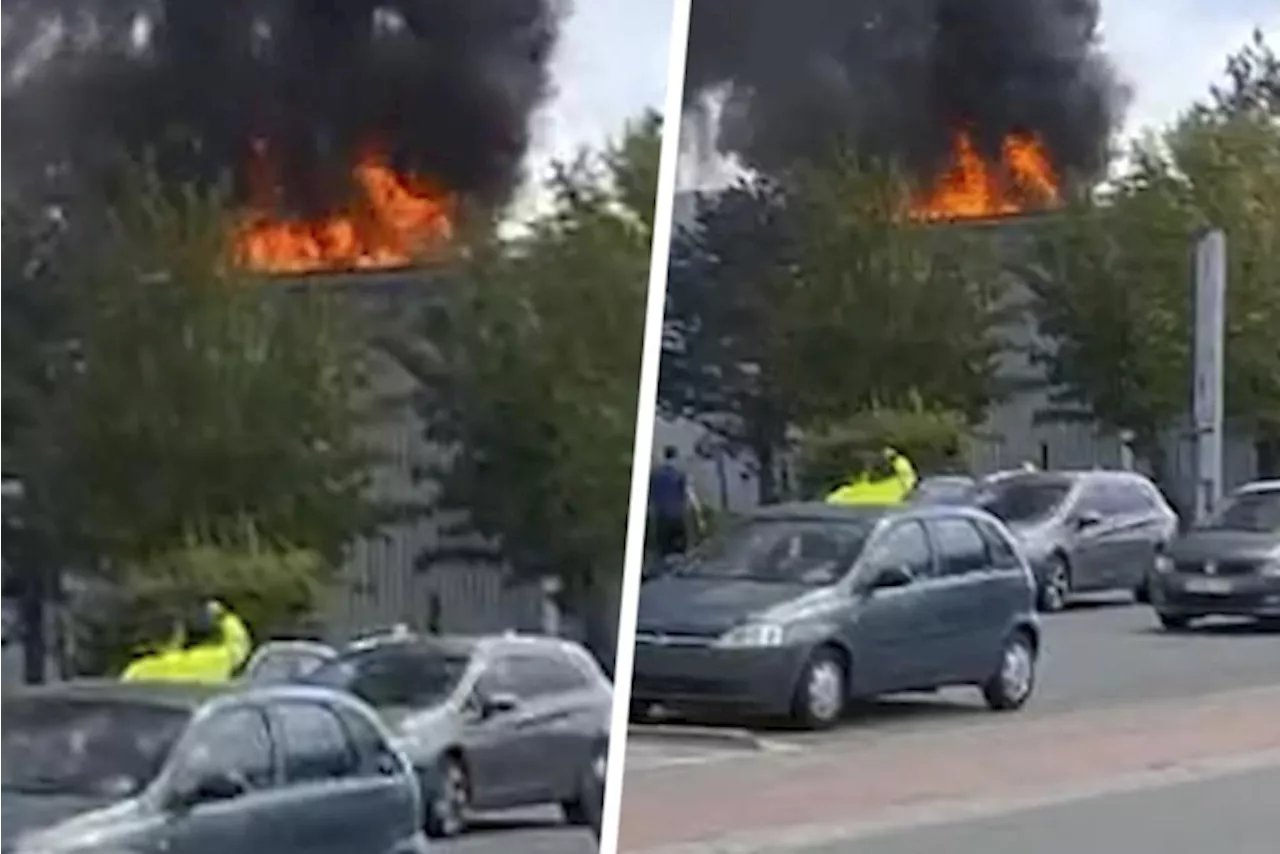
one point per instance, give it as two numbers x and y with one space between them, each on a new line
861 780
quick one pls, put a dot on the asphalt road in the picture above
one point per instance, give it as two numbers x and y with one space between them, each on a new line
534 831
1116 695
1235 813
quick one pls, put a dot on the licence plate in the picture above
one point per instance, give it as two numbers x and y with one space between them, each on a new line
1212 586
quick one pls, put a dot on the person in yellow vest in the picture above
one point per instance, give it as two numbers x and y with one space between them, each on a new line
887 480
209 645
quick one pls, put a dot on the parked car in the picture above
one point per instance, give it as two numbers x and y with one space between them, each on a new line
800 607
285 660
130 766
943 489
489 723
1083 531
1230 565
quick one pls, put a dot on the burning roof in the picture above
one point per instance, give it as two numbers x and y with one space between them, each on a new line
352 130
994 105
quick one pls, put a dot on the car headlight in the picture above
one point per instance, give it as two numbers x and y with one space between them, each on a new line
1164 563
752 635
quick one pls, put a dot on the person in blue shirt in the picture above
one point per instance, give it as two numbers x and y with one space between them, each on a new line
670 503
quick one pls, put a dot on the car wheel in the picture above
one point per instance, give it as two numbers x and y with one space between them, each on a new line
1174 622
447 812
1142 593
1011 685
588 802
1055 586
822 692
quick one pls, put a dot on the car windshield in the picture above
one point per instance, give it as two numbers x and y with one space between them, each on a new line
1023 500
388 676
794 551
1257 512
284 665
103 748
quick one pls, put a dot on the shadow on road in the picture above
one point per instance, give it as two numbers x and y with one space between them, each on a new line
498 824
1223 627
884 711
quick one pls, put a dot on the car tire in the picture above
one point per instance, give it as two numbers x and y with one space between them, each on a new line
585 809
1142 593
446 814
1014 679
1054 586
1174 622
822 691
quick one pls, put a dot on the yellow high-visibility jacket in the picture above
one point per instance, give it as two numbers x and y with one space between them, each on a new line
890 490
213 662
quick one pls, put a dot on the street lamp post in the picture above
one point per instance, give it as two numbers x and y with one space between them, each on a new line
1207 385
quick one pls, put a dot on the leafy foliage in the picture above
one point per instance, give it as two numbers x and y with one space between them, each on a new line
531 376
1112 275
272 589
802 302
932 439
188 397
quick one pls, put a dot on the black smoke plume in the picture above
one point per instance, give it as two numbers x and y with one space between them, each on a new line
446 88
898 78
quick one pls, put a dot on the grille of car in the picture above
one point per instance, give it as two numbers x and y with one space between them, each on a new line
1226 568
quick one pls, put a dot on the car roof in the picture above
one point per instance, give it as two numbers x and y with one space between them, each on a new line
464 646
1260 486
176 695
819 512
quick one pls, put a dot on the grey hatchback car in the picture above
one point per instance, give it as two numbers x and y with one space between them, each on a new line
800 607
489 723
1083 531
110 767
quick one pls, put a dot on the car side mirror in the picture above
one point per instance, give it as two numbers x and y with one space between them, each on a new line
888 578
497 704
1087 519
209 788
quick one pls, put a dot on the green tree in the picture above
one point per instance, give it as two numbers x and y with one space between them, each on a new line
1111 276
803 302
531 376
195 400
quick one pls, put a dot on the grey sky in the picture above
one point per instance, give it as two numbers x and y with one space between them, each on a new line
1170 51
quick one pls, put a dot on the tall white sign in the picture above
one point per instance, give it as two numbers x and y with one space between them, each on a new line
1207 388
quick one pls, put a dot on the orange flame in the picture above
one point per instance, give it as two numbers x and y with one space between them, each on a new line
395 221
1024 179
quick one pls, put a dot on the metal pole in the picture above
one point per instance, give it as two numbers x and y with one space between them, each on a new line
1207 386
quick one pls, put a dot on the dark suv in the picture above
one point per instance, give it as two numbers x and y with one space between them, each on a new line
1083 531
798 608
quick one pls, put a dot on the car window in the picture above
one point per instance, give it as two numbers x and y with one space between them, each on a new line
500 676
543 675
1135 496
1022 499
313 742
961 548
233 743
283 665
371 748
1257 511
1092 499
795 551
903 545
65 746
999 549
387 677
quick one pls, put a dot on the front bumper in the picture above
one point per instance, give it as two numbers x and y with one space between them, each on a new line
695 674
1205 596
